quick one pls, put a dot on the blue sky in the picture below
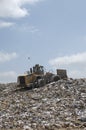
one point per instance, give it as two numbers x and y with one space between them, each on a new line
50 32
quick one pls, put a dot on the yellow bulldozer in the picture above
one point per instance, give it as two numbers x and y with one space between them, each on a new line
32 77
36 77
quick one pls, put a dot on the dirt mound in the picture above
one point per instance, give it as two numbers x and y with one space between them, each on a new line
61 104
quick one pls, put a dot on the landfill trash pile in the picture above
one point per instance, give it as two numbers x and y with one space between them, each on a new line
58 105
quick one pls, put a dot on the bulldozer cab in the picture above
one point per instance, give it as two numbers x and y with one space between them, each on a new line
37 69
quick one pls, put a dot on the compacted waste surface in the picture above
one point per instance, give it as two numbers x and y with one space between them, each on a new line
59 105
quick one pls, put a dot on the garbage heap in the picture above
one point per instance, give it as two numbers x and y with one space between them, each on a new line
55 106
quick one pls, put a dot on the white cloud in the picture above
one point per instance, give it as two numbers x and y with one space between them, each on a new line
7 56
67 60
26 28
9 76
75 64
33 29
14 8
5 24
